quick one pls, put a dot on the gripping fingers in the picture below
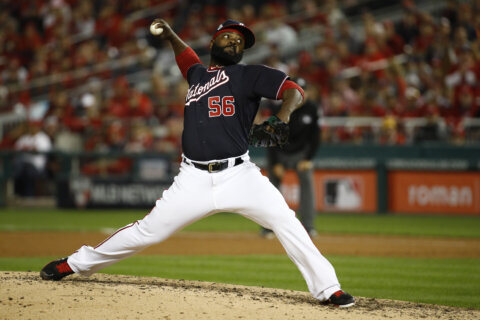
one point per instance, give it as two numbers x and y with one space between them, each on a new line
161 24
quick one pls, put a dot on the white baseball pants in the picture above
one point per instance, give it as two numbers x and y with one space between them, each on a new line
196 194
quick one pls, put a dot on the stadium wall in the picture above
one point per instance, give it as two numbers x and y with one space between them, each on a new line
423 179
367 179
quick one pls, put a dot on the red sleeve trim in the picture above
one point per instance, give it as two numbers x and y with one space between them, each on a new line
186 59
289 84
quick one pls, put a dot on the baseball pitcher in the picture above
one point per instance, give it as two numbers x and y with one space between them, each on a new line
216 174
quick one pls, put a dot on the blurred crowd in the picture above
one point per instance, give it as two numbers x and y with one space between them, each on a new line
422 65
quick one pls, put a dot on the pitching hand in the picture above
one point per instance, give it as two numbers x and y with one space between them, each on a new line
167 30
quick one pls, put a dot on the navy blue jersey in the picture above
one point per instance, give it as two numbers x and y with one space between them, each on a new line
221 105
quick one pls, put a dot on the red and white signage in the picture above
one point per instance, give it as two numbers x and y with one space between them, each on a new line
336 190
434 192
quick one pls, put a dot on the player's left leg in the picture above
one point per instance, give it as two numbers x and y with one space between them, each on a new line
251 194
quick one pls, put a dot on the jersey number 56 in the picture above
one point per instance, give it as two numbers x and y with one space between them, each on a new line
224 106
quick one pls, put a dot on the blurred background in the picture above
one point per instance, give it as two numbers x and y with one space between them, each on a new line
91 105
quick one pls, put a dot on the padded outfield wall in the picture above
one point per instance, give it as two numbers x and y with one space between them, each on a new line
426 179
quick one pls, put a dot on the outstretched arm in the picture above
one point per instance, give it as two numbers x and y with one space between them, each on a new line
178 45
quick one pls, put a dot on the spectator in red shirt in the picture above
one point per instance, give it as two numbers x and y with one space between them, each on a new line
463 74
121 36
372 57
176 103
347 58
140 138
345 35
30 42
413 106
128 102
139 105
407 27
86 115
393 40
108 21
12 135
306 69
117 103
393 105
425 38
464 104
61 109
349 97
334 106
369 106
112 138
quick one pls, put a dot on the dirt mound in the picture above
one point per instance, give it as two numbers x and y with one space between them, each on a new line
24 296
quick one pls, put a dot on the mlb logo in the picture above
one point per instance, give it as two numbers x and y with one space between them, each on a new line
342 193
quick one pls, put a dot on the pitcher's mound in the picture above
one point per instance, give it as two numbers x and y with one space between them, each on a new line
23 295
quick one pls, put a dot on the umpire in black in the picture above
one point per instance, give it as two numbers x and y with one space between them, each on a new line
297 154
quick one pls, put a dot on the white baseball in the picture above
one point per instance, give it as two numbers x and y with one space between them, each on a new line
154 30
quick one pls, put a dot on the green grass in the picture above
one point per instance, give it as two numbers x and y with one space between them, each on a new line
441 226
453 282
65 220
93 220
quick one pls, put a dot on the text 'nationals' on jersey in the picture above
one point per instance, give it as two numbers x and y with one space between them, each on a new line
196 92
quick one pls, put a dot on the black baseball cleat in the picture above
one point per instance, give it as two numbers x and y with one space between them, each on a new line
341 299
56 270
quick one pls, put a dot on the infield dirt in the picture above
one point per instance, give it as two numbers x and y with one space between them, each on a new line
24 296
19 244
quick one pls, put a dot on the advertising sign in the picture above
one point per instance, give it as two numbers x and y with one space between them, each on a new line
434 192
336 190
84 192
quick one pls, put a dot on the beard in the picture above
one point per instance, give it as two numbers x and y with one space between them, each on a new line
224 58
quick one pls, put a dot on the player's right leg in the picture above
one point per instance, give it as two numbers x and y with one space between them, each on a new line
187 200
